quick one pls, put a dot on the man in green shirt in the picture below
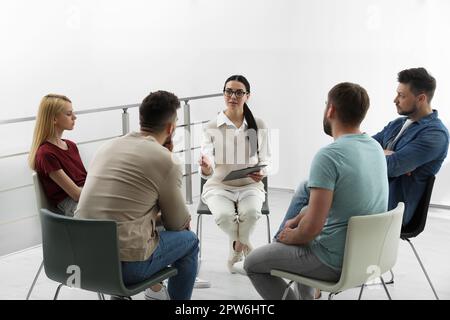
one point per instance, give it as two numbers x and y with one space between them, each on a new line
347 178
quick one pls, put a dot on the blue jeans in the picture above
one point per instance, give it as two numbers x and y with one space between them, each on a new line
176 248
299 200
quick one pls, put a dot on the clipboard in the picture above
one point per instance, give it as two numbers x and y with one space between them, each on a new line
242 173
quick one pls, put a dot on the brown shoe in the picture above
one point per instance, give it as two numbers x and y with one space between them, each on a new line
317 294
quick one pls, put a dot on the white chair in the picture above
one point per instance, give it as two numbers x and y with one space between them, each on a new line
42 203
370 250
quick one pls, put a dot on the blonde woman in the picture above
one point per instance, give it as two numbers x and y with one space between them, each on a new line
235 140
56 160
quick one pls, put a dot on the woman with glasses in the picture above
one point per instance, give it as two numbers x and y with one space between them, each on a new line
56 160
233 141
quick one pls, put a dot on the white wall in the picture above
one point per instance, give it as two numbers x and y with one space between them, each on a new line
107 53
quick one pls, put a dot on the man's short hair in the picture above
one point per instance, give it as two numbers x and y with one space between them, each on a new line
158 109
351 102
419 80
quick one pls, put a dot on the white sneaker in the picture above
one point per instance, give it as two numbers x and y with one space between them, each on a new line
234 257
162 294
238 268
201 283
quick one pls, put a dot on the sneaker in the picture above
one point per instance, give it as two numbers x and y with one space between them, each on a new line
238 268
201 283
234 257
162 294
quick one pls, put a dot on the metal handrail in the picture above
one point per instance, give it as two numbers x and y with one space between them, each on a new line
103 109
11 155
126 128
78 143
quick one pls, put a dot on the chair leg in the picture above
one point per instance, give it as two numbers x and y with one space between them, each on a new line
199 235
268 228
57 292
35 279
113 297
199 262
392 278
385 288
286 291
361 291
101 296
423 268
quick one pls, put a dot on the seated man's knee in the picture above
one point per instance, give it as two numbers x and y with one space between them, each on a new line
248 263
254 261
191 238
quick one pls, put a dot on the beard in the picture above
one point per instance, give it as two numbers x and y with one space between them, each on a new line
409 112
327 127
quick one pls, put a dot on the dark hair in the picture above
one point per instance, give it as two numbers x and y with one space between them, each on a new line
157 109
419 80
248 115
351 102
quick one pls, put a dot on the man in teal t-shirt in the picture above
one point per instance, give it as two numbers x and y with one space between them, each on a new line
353 167
347 178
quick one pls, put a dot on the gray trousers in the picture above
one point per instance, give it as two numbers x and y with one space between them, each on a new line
290 258
67 206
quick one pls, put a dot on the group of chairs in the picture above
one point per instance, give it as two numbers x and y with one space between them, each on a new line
89 249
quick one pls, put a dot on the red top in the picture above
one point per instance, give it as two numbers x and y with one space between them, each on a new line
51 158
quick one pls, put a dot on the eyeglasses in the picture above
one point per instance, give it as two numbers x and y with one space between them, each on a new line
238 93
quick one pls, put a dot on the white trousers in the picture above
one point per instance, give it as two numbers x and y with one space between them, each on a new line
237 224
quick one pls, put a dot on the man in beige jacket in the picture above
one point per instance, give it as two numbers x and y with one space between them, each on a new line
135 181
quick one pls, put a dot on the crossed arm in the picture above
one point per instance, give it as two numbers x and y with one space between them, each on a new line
426 147
67 184
307 225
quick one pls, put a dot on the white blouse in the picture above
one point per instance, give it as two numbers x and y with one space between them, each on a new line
228 148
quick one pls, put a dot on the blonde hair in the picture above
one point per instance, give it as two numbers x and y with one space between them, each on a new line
51 105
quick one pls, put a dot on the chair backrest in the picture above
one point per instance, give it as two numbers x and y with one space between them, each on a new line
202 183
371 247
90 245
417 223
41 199
265 182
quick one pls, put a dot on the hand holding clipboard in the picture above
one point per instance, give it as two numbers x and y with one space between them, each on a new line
252 172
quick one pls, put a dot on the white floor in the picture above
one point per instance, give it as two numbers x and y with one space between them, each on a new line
17 270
